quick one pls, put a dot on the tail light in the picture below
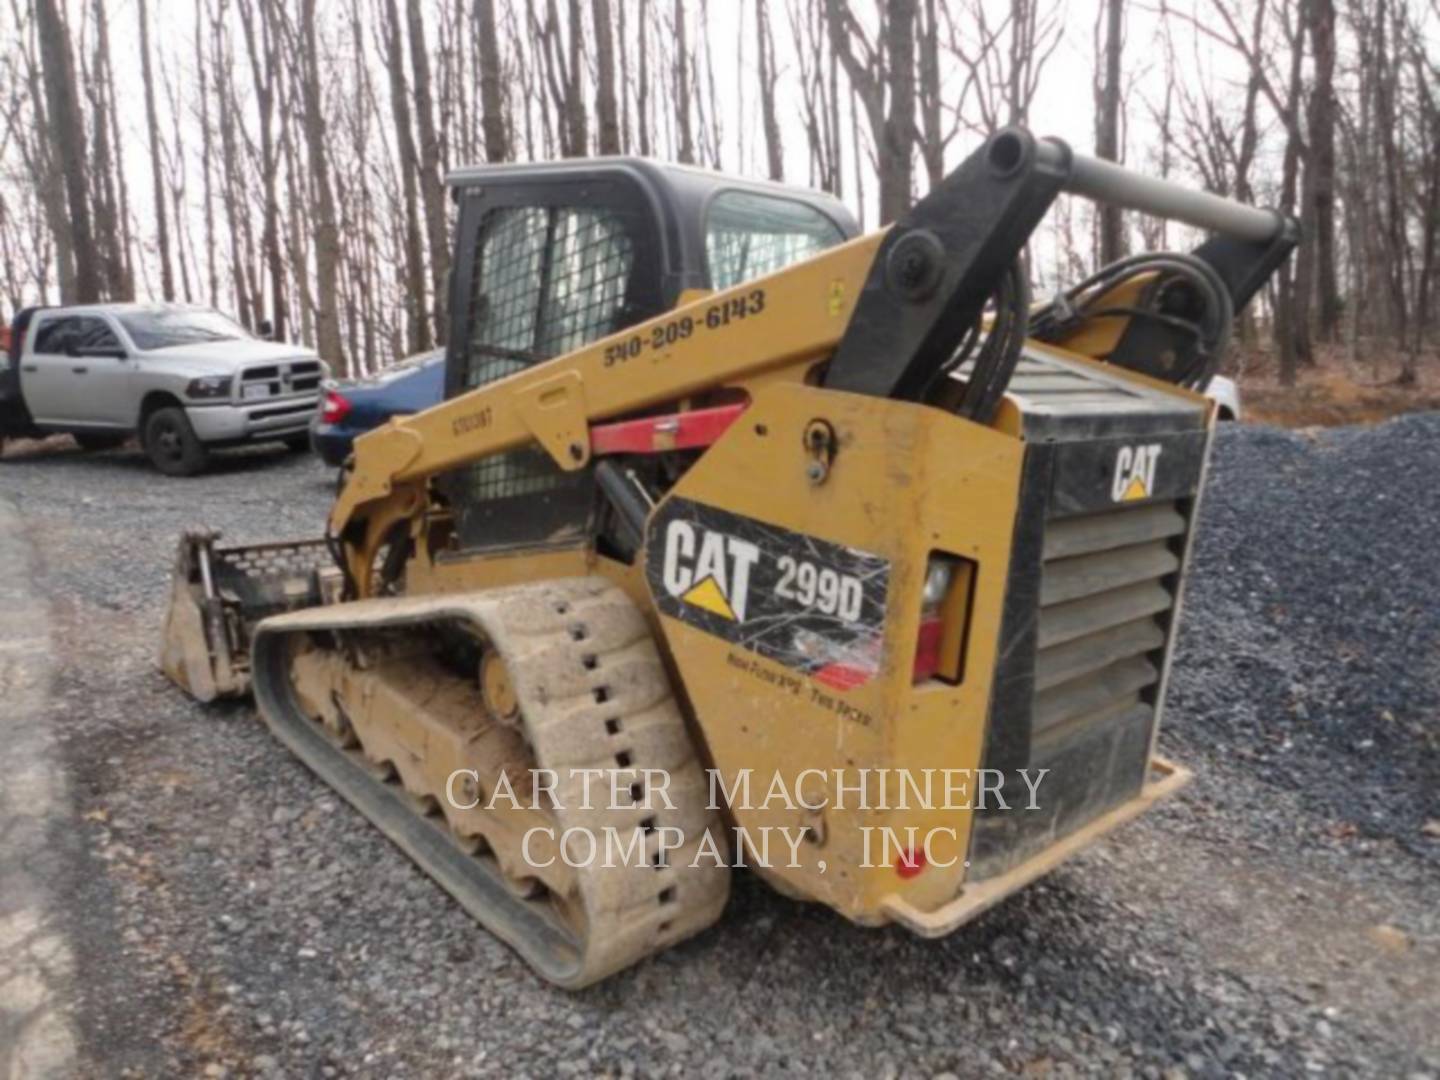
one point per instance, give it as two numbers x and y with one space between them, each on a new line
944 611
335 408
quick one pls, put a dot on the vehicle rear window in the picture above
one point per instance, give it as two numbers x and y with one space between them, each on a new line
161 329
748 235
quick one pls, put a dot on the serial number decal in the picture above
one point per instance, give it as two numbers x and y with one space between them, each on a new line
658 338
811 605
475 421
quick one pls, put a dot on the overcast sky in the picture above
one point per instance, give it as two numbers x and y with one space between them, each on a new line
1063 105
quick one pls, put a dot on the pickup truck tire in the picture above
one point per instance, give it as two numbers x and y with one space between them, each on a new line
171 445
90 441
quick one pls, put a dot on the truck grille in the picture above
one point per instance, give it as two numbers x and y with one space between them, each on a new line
283 380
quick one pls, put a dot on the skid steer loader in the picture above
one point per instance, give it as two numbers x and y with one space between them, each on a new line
680 532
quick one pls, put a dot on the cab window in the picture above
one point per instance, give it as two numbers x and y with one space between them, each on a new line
93 333
546 280
748 235
56 337
53 336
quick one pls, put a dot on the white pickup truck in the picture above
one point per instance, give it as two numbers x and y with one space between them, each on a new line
184 379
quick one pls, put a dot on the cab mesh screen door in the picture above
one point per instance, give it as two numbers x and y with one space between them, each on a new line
546 280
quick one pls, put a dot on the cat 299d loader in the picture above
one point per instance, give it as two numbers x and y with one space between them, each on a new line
872 527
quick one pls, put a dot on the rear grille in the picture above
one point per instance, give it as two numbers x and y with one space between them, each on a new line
1104 584
1090 598
1106 588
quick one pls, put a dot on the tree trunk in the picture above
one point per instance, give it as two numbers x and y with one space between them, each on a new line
575 118
642 91
606 120
1107 127
207 157
624 46
432 187
765 51
230 170
1288 327
1389 122
1322 163
327 235
898 144
264 65
122 186
931 95
107 212
152 125
68 135
492 102
686 149
413 275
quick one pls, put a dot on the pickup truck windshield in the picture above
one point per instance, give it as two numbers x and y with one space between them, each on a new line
162 329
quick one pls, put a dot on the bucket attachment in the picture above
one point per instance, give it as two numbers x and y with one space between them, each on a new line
218 595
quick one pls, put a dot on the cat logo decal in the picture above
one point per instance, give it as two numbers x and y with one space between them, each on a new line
1134 472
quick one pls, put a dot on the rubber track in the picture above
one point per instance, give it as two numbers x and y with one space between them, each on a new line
593 694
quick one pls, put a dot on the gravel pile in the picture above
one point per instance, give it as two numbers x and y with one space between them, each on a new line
1309 659
231 917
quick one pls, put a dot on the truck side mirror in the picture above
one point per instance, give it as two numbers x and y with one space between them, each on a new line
266 330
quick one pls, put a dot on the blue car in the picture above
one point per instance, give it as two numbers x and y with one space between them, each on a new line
351 408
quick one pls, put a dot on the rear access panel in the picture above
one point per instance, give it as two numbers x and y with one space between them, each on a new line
1110 484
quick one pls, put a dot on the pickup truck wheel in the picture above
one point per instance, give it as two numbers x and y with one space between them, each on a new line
297 443
171 444
91 441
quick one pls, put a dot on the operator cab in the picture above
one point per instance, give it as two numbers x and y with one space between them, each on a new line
553 256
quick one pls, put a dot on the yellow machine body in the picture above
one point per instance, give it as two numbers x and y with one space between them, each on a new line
902 647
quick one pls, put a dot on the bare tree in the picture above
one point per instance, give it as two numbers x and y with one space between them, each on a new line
809 28
685 151
642 93
492 109
882 72
606 120
1320 19
1107 124
107 173
67 131
765 55
212 274
933 97
562 55
327 237
265 74
408 163
432 187
152 126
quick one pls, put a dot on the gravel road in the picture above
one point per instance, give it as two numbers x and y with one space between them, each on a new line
227 916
